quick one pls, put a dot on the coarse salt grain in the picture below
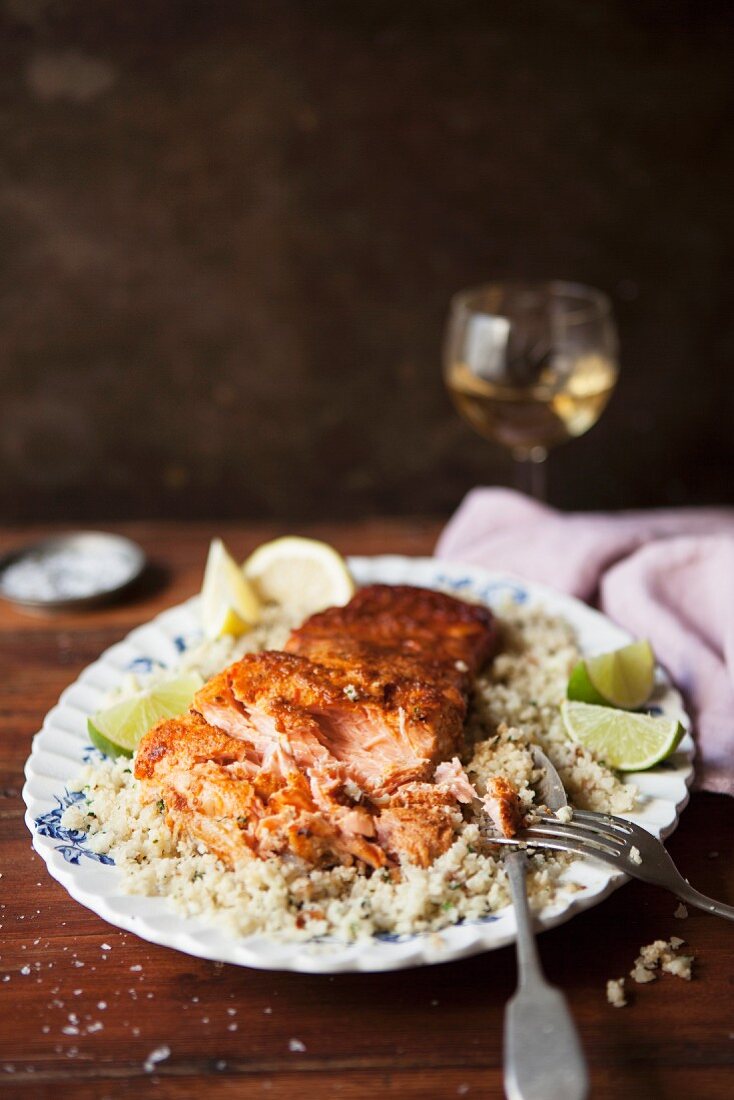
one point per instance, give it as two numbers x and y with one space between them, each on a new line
296 1046
160 1054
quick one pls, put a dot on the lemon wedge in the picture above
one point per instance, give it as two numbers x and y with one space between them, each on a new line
304 574
117 730
229 604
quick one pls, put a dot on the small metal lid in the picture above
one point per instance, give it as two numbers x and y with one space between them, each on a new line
72 571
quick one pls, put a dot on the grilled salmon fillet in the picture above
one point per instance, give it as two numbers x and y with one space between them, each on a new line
327 750
379 685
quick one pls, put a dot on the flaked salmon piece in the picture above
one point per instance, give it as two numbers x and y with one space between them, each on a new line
335 798
212 792
182 742
384 728
314 839
451 777
503 805
420 823
214 806
298 824
206 781
274 725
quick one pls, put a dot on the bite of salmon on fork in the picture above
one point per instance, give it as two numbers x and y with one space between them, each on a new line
337 739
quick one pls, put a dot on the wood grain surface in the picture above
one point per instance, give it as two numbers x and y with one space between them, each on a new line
83 1005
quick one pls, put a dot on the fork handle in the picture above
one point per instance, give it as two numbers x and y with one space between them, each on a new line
543 1059
710 905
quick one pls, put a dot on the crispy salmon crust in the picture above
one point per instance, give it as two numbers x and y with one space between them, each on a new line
408 620
326 750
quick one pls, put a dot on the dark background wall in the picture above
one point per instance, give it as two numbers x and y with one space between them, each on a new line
230 232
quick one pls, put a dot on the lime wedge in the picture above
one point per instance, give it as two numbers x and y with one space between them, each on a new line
118 730
623 678
304 574
228 602
581 689
628 742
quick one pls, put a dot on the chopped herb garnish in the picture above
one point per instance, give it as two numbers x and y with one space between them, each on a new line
161 806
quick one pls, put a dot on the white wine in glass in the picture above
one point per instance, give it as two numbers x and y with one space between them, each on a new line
530 365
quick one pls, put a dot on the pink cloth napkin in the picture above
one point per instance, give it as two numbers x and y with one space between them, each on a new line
666 575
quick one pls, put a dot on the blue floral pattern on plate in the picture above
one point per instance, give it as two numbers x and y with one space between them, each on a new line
92 755
489 593
144 664
72 847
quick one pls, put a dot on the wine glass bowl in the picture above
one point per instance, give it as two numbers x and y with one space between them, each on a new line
530 365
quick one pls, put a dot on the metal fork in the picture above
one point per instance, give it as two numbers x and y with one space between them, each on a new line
543 1059
621 843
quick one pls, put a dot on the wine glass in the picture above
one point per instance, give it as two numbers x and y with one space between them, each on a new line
530 365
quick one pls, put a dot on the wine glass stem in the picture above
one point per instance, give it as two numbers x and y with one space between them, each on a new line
531 472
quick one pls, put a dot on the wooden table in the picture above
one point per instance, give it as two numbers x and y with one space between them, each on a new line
434 1032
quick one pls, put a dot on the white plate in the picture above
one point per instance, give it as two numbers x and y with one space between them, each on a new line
62 746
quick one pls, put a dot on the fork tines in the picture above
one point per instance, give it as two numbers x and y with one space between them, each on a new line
588 833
